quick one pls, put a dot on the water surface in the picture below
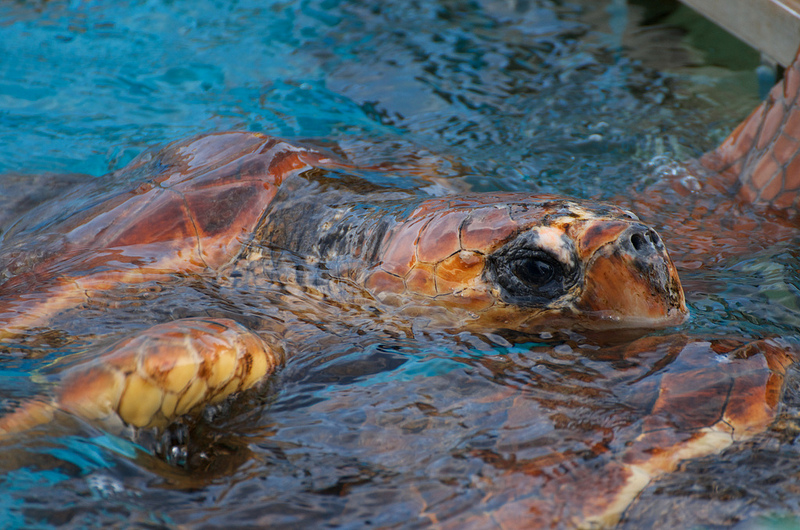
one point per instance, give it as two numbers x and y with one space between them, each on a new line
393 426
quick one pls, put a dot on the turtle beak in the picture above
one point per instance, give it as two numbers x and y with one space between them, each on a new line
629 280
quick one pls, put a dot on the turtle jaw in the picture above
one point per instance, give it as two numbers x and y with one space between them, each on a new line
629 279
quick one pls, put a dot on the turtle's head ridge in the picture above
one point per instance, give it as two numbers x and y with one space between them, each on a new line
531 263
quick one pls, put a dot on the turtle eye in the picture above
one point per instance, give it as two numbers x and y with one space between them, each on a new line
534 272
528 273
529 277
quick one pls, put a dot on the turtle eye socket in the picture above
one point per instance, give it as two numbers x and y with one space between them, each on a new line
530 277
535 272
530 271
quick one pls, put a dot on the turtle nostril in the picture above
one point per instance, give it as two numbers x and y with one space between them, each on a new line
638 242
644 242
653 236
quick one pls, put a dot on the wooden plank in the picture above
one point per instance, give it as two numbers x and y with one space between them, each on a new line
770 26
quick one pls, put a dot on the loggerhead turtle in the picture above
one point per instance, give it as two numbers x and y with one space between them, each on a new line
241 209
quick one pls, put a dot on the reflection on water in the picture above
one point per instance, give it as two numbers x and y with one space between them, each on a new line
380 421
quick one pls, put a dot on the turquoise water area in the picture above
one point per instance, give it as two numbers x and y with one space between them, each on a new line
372 427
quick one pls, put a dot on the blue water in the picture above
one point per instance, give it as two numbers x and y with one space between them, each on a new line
576 98
86 86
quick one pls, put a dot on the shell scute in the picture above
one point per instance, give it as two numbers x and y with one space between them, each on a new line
693 393
440 238
400 253
772 122
230 174
431 206
421 280
216 198
765 173
112 224
226 216
785 149
212 151
459 271
140 401
747 411
383 282
486 227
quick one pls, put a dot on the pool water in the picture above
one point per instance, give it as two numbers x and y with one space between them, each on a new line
369 425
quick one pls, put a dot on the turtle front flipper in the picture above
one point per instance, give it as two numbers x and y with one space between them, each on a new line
701 410
169 370
675 398
763 153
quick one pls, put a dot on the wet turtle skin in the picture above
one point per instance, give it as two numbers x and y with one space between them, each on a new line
240 203
256 209
226 200
705 395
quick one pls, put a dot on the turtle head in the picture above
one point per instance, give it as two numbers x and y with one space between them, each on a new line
601 269
510 261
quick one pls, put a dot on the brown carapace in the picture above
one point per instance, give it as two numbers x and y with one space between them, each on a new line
231 202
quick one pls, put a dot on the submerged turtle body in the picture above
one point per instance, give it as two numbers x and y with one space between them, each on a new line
245 209
250 208
223 201
675 398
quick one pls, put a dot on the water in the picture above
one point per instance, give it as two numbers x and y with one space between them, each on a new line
393 426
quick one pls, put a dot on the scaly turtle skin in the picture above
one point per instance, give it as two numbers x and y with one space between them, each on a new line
223 201
242 207
238 203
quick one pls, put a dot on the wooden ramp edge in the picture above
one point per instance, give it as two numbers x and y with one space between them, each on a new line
770 26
